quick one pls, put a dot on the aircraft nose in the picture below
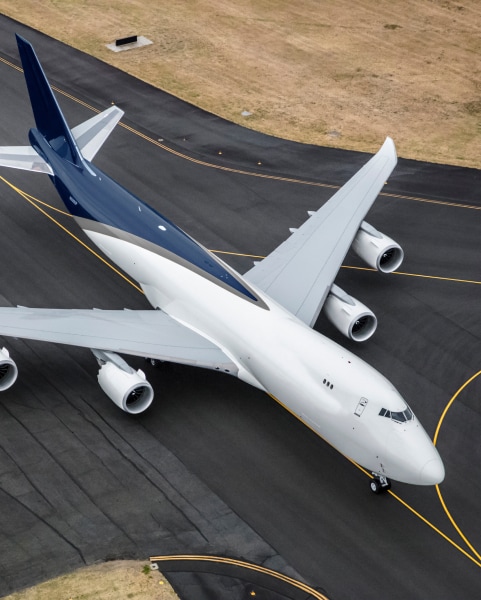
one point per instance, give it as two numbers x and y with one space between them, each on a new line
433 472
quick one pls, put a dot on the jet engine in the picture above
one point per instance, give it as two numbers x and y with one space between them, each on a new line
376 249
352 318
127 388
8 370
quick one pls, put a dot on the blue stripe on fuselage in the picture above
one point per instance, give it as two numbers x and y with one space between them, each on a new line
88 193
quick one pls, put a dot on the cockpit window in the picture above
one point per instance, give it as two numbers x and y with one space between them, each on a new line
399 417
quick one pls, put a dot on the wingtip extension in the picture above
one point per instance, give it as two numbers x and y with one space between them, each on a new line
389 147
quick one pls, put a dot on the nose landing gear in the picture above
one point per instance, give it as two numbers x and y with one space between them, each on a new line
380 484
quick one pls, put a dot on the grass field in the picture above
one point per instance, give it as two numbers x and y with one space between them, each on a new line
330 72
116 580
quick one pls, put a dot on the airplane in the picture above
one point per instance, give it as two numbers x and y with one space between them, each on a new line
257 326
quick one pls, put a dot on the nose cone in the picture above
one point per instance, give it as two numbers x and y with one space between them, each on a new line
433 472
412 456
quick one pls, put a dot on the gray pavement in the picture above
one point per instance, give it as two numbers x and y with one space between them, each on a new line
216 466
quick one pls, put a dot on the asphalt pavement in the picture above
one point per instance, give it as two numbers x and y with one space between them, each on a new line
215 466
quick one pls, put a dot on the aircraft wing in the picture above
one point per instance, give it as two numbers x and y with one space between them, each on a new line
299 273
147 333
89 135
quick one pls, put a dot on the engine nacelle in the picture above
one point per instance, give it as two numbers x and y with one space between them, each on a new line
352 318
8 370
377 250
128 389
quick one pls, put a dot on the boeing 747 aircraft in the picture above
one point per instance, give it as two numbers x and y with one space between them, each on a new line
257 327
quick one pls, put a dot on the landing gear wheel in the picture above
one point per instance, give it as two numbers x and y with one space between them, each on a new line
380 484
155 362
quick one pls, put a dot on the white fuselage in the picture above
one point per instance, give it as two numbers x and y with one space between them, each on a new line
331 390
339 396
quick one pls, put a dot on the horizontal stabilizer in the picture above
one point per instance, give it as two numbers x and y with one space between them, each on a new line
83 140
91 134
23 157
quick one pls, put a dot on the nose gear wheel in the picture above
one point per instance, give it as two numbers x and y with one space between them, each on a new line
380 484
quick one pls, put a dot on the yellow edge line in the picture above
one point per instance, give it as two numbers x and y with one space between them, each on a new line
33 203
244 565
435 439
240 171
37 201
430 201
438 531
29 197
420 275
448 405
400 500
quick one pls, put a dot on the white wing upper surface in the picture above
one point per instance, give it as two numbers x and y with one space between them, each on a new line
89 135
147 333
299 273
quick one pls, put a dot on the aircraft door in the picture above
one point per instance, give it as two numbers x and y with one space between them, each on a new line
361 405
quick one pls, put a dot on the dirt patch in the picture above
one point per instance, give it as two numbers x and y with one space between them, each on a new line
123 579
336 73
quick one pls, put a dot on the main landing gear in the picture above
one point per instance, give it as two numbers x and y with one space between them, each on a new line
380 484
155 362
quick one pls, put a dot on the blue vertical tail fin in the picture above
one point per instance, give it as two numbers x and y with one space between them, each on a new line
46 111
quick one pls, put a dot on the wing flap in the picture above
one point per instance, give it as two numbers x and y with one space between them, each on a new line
300 272
146 333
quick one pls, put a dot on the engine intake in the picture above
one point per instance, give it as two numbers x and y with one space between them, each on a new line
127 388
377 250
8 370
352 318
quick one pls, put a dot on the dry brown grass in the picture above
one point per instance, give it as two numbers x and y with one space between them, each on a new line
117 580
332 72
